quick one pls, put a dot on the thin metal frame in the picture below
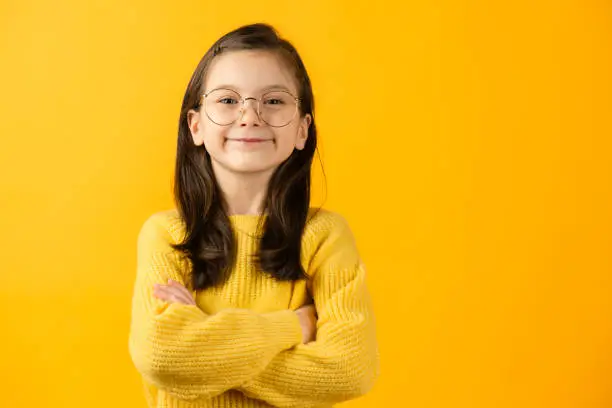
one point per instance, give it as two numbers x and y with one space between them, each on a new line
243 102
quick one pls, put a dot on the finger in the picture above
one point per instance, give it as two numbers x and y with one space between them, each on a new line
160 293
180 295
172 282
180 289
186 292
311 309
168 294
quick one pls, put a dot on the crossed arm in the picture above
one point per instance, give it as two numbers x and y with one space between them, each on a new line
179 348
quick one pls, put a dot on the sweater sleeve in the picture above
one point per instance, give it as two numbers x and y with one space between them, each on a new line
182 350
343 362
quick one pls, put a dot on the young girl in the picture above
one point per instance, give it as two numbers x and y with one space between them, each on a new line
244 295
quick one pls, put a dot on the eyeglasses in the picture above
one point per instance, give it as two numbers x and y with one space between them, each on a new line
225 106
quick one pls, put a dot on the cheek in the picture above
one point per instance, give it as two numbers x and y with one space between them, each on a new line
287 138
213 136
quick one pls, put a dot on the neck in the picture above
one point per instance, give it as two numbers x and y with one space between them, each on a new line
244 193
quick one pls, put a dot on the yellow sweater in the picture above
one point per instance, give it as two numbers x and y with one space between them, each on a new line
241 345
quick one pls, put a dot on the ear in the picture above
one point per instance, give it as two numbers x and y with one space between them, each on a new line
303 132
194 122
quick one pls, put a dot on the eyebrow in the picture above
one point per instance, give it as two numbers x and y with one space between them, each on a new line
275 87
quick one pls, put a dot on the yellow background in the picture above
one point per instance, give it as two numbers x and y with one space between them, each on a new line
468 143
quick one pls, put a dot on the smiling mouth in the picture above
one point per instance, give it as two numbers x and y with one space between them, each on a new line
249 140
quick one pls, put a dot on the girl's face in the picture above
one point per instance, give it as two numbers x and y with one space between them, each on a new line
250 144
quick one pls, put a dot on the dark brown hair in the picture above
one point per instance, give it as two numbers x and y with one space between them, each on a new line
209 240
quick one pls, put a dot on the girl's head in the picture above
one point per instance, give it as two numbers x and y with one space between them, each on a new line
248 109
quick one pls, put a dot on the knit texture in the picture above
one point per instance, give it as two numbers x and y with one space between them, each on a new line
240 346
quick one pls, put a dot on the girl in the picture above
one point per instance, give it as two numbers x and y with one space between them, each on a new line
244 295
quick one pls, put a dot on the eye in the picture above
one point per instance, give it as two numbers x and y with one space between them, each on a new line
274 101
227 101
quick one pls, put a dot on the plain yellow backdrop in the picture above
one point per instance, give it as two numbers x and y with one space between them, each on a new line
467 142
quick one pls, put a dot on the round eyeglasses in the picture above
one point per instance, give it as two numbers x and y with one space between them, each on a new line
226 106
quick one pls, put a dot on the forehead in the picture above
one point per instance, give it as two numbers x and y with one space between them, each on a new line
249 71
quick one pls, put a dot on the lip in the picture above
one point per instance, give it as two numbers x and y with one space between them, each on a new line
250 140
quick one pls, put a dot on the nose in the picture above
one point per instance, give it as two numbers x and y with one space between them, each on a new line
249 116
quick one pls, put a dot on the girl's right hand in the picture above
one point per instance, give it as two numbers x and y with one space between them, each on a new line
308 320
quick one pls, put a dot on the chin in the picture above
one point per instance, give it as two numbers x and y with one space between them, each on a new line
246 169
248 165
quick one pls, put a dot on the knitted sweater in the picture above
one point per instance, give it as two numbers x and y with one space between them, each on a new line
241 345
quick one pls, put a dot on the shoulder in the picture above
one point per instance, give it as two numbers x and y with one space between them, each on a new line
328 236
322 222
163 225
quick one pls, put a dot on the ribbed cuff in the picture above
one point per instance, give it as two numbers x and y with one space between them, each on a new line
286 328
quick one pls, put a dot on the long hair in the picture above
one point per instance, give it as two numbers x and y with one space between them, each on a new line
209 239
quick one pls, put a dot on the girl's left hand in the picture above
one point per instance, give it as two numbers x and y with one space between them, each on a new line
173 292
